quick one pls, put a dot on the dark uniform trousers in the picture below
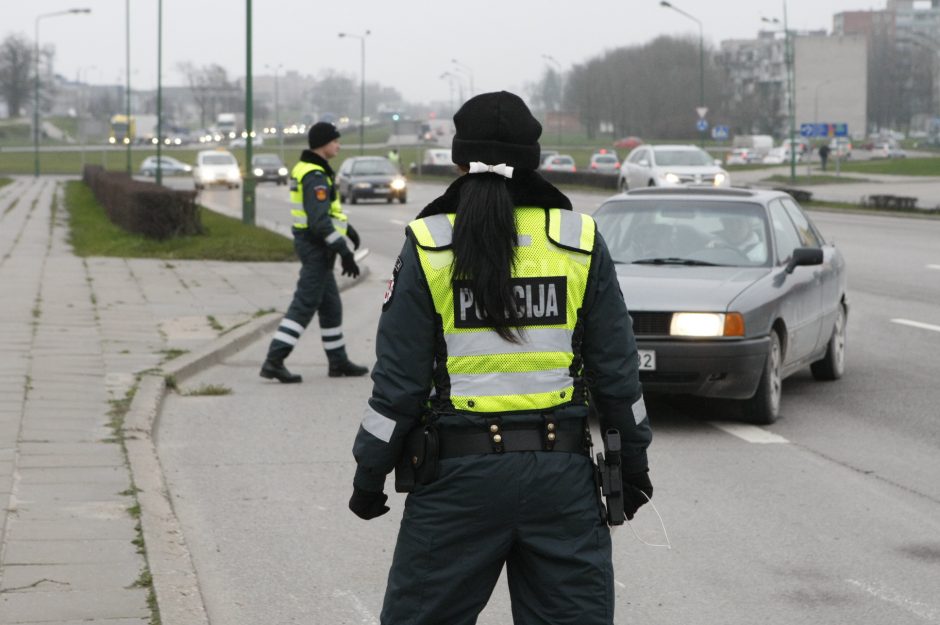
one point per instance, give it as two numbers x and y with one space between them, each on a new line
536 512
316 292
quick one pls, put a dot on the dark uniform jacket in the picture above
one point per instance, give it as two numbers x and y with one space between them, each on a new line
406 341
319 191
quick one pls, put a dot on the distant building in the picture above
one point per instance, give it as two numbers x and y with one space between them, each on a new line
832 81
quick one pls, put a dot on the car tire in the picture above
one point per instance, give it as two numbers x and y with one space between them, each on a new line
402 199
764 407
832 365
624 187
389 199
652 183
352 198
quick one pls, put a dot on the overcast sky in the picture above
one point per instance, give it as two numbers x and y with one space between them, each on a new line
501 43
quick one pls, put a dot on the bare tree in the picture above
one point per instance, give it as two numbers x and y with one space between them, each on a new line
16 68
212 90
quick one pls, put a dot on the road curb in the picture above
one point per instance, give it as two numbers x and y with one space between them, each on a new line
175 581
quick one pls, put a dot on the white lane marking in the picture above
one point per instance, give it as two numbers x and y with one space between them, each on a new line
398 222
916 324
367 618
933 266
619 583
749 433
890 595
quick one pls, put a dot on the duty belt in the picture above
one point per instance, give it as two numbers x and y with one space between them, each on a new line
496 439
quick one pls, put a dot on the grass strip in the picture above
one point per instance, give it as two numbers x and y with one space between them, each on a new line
927 166
93 234
811 180
5 181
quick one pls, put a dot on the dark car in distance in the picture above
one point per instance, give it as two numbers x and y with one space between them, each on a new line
268 168
370 177
729 290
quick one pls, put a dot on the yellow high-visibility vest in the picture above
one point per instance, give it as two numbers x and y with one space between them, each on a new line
301 169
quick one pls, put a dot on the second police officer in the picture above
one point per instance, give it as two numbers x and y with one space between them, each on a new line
502 320
321 230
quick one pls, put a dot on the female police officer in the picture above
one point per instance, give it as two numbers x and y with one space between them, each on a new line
502 317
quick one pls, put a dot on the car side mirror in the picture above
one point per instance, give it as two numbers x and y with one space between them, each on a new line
805 256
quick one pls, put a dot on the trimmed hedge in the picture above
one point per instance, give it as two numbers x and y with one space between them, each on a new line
144 208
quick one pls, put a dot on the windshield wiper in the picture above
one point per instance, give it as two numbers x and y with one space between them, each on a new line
672 260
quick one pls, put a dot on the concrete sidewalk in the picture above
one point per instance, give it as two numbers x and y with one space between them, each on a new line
75 335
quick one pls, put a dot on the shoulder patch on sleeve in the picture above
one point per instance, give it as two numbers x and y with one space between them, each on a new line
321 193
390 289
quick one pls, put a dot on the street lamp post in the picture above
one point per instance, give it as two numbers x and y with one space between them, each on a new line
362 87
248 184
127 88
791 104
159 174
701 55
561 92
36 83
469 72
450 81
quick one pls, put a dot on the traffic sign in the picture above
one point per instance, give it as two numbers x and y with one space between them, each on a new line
702 111
721 133
702 125
824 130
807 130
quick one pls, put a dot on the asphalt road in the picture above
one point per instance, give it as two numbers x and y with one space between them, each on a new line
831 515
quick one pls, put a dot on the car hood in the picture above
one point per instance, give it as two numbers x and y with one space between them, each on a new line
218 169
690 170
677 287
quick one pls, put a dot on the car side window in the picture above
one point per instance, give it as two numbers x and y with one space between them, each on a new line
784 232
807 233
637 156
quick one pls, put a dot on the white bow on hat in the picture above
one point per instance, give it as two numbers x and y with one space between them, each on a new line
482 168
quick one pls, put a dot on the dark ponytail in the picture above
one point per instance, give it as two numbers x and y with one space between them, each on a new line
484 250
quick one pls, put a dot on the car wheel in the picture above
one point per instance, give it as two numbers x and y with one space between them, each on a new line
352 198
390 199
652 183
764 407
832 365
403 198
624 187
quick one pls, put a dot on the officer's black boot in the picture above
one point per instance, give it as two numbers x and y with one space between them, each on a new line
275 370
347 369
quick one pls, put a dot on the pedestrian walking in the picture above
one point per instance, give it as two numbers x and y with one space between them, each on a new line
823 155
395 159
502 317
321 233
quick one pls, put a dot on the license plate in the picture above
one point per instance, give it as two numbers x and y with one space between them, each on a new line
647 359
380 190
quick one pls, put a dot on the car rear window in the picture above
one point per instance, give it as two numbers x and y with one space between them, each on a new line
605 159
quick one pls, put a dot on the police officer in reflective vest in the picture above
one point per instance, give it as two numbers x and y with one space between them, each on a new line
502 322
321 232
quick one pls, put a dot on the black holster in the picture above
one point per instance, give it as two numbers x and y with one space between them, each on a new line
420 459
610 479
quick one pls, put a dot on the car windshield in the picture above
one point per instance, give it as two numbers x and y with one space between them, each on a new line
682 157
685 232
605 159
373 167
267 160
218 159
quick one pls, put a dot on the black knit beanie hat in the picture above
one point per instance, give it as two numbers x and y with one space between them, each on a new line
495 128
321 133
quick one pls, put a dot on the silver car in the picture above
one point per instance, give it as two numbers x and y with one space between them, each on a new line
671 166
730 291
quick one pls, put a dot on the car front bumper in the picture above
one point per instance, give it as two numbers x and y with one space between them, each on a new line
729 369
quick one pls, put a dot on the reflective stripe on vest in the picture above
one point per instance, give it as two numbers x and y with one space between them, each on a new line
488 374
339 219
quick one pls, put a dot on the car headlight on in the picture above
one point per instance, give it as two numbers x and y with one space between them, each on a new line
112 140
258 171
282 171
671 178
720 179
398 184
706 324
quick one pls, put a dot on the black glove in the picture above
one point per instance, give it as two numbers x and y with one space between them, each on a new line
353 236
635 486
367 504
350 268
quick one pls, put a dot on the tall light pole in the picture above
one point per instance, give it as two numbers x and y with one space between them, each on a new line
791 104
83 106
127 83
277 109
561 91
362 87
450 80
701 56
465 68
36 83
159 174
248 184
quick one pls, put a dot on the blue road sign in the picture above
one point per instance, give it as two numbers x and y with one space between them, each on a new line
702 125
824 130
807 130
720 133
